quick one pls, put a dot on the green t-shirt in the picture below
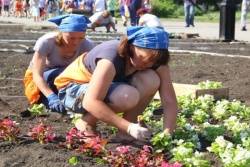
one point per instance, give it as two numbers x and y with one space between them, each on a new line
111 4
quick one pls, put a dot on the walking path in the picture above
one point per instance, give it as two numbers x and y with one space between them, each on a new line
205 30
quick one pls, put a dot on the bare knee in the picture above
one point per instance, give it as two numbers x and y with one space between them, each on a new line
146 81
124 98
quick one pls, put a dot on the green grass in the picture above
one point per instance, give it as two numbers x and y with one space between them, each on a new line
203 18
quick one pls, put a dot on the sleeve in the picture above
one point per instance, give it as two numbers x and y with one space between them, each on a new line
88 45
43 46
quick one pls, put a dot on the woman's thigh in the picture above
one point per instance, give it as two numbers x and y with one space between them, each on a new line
73 95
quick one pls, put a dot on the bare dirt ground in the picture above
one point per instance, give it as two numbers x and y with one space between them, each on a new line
188 68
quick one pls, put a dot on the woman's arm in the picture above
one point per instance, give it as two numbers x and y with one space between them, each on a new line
168 100
141 24
38 70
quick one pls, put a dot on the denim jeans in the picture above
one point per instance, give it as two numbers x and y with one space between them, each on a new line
134 6
49 76
73 94
245 8
189 14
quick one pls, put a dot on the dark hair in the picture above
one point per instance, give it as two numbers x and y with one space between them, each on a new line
157 56
141 11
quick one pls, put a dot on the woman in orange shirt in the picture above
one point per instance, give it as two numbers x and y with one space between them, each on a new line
18 8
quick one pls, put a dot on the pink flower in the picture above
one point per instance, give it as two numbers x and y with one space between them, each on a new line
51 137
69 137
49 128
146 148
176 164
8 122
123 149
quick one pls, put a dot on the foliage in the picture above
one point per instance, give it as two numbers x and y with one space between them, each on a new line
43 133
73 161
125 157
75 117
226 129
162 142
37 109
164 8
209 85
79 141
211 132
9 130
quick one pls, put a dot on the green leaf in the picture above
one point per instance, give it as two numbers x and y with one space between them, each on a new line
73 161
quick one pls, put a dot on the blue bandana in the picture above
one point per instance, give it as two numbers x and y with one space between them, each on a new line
148 37
71 22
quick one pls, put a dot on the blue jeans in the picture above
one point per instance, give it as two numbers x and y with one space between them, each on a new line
189 14
49 76
73 94
134 6
245 8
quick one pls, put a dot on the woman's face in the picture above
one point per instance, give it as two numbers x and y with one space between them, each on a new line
139 58
73 39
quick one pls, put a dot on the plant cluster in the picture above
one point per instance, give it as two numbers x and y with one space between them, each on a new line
43 133
9 130
204 119
142 158
209 85
224 124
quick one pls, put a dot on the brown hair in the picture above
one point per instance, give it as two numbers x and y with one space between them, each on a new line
157 56
59 39
106 14
141 11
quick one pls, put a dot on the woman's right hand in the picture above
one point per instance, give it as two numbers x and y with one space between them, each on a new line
138 132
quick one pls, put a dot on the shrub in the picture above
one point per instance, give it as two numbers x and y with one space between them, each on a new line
164 8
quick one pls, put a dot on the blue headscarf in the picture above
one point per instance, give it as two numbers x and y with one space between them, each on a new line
71 22
148 37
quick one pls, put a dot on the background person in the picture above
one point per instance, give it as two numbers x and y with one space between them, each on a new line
121 76
53 52
134 6
100 19
147 19
69 4
6 8
41 5
99 6
148 5
245 8
18 8
111 5
88 5
189 8
125 17
51 6
34 10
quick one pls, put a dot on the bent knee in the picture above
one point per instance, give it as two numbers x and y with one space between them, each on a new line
148 79
124 97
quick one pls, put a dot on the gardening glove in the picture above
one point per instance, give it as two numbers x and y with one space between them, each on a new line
138 132
55 104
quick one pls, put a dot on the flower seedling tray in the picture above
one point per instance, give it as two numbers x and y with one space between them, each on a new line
189 89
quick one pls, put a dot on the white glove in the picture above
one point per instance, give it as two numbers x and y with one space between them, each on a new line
138 132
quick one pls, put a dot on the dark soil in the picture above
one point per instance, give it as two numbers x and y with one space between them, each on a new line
186 68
